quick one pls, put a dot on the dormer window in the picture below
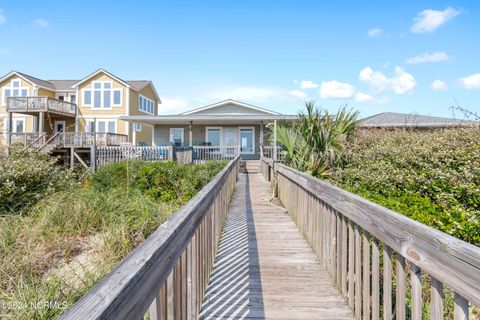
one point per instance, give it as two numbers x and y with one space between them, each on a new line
145 104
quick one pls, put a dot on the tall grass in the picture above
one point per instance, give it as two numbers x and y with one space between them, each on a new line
72 238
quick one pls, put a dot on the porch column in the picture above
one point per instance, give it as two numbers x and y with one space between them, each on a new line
9 130
134 133
41 122
76 119
190 135
261 133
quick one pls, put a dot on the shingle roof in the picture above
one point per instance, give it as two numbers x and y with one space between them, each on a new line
63 84
394 119
138 84
40 82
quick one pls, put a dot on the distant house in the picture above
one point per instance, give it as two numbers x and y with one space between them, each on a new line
40 108
225 123
405 120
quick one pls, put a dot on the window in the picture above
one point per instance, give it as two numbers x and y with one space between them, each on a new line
87 97
104 95
18 125
146 105
102 126
61 98
73 98
138 127
176 136
213 136
15 90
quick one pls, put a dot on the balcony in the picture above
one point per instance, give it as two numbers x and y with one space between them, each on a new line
40 104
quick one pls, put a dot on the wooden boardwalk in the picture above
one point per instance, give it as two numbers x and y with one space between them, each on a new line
264 269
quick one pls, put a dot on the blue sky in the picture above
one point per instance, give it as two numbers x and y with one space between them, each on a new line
403 56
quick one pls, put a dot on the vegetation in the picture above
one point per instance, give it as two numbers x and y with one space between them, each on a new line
315 143
63 244
430 176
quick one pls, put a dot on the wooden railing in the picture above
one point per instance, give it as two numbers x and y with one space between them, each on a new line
369 251
267 152
38 104
27 138
168 273
87 139
106 154
205 153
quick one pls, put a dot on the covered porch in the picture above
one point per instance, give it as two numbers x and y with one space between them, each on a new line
223 136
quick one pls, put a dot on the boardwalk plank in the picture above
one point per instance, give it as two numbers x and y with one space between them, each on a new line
263 268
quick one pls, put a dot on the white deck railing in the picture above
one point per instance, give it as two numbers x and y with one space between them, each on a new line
40 104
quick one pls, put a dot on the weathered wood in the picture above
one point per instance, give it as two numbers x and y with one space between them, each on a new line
358 273
264 267
460 308
366 275
344 249
128 291
351 266
375 279
416 284
387 282
400 305
424 246
436 300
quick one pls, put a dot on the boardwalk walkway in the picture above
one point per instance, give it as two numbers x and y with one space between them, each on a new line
264 268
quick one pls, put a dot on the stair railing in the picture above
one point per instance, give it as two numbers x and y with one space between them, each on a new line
40 137
49 140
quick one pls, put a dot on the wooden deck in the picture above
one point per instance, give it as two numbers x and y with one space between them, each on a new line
264 269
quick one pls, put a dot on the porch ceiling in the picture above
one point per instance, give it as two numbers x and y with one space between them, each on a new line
209 119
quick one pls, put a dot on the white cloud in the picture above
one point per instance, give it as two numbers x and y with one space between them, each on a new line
307 84
428 57
298 94
41 23
429 20
438 85
363 97
3 19
375 32
402 82
336 90
472 82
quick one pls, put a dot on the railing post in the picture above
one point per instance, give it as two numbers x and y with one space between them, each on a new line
9 136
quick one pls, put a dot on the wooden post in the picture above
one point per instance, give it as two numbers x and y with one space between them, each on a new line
41 122
76 118
10 120
190 135
94 156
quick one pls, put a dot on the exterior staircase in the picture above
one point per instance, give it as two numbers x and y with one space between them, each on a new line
250 166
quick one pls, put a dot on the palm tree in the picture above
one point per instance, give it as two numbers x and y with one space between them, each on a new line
315 143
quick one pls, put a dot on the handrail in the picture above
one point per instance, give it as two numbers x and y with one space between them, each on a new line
185 243
446 259
40 103
42 136
49 140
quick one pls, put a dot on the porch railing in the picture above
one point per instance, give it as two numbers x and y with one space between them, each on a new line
87 139
377 257
39 104
168 273
205 153
108 154
27 138
267 152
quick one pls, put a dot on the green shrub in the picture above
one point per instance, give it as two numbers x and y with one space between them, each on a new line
430 176
26 177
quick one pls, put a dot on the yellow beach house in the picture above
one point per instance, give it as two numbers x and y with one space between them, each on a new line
34 110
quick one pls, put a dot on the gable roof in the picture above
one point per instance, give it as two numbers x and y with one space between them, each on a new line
395 119
93 74
227 102
138 85
32 80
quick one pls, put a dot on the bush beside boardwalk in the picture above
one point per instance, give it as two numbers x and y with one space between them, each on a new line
70 237
432 176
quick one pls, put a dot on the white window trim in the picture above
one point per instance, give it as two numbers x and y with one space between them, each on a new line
215 128
138 127
183 134
140 106
11 88
83 98
253 139
121 97
14 124
115 121
102 90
